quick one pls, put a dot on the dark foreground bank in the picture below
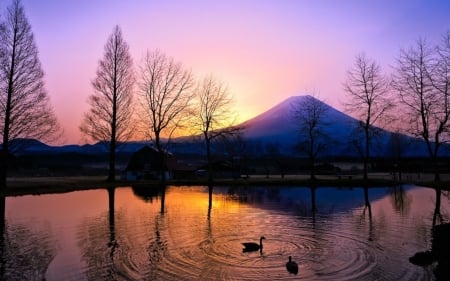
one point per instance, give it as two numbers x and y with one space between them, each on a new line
43 185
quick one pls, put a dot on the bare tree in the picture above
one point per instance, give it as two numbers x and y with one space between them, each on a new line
110 117
166 91
25 106
426 105
309 115
214 118
441 72
367 92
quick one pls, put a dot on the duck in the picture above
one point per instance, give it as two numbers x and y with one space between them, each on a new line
252 246
292 266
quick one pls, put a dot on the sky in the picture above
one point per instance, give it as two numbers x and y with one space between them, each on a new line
264 51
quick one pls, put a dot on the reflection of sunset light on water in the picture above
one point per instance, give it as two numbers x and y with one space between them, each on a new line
190 242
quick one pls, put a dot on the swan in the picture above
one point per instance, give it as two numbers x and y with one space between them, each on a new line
251 246
292 266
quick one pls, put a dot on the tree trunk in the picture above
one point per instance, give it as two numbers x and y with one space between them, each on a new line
5 145
209 160
366 154
313 170
112 147
112 161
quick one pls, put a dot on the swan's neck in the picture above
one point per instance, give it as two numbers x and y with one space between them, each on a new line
260 243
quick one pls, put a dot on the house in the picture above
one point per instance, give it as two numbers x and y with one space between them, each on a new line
145 164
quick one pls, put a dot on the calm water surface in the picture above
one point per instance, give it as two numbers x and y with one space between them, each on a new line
134 234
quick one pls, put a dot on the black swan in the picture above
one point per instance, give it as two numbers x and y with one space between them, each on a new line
251 246
292 266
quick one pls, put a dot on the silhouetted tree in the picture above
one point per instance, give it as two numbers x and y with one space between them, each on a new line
397 145
367 92
110 117
234 146
442 72
214 118
424 96
25 106
309 116
167 94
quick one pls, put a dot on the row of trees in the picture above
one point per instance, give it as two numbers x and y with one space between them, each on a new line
162 98
418 88
169 100
168 97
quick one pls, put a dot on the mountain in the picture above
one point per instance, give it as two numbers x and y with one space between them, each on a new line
278 124
278 127
32 146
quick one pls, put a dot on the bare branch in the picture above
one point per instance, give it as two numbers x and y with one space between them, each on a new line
368 99
24 103
166 97
421 80
214 117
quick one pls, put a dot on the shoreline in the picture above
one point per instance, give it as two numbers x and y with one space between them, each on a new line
47 185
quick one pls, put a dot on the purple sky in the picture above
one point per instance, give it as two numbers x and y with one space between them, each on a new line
265 51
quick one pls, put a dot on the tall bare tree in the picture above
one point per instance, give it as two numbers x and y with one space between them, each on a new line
441 72
367 93
110 118
166 91
425 101
214 118
25 106
309 115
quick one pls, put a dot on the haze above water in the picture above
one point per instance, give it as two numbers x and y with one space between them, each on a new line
123 235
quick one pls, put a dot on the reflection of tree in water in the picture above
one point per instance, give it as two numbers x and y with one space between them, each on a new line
439 254
367 211
112 256
401 202
101 249
25 253
437 215
157 248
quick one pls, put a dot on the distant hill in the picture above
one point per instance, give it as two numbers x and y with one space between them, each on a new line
32 146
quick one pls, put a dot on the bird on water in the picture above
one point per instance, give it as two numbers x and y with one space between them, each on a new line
292 266
252 246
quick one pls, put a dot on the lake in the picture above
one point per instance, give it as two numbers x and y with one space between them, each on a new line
182 233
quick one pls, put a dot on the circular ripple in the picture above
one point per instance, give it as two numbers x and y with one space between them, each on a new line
321 255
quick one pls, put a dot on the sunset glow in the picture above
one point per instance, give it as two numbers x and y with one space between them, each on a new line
265 51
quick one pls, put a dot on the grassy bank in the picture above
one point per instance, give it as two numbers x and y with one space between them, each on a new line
44 185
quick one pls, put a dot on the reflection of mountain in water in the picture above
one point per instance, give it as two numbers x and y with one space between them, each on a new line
298 199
